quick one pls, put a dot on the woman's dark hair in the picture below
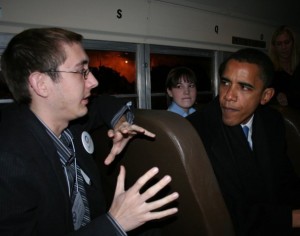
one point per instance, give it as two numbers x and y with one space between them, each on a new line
178 73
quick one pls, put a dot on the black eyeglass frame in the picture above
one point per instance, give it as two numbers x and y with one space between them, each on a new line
83 72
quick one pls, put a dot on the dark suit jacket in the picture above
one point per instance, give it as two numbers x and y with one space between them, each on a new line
260 187
33 189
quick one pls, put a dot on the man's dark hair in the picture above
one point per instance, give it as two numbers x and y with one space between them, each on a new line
253 56
39 49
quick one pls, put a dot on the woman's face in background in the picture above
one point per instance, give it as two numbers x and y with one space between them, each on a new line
283 46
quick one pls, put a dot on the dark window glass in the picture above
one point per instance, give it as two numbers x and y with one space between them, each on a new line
114 70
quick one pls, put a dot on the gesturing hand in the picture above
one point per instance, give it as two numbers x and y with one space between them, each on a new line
120 137
131 209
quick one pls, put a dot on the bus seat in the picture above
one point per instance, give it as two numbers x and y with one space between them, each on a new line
177 151
292 124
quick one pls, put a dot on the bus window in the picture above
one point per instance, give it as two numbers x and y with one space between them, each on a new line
114 66
122 71
115 71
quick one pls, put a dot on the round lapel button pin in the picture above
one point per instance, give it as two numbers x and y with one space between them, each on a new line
87 142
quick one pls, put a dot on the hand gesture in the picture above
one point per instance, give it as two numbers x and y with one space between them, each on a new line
121 136
131 209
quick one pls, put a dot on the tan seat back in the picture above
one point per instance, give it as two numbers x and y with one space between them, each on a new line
178 151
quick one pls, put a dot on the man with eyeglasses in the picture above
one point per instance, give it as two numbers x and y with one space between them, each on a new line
49 184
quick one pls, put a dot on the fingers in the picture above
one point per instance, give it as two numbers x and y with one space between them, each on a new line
116 135
149 134
144 179
119 142
115 150
162 202
121 137
109 159
131 209
152 206
120 187
153 190
126 128
110 133
141 130
161 214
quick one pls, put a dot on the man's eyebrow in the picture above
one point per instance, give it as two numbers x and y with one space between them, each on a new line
246 85
83 62
224 78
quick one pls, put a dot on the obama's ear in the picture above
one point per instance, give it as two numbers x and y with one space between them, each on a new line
267 95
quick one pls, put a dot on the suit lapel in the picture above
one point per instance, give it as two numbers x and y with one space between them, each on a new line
50 153
227 147
85 161
261 150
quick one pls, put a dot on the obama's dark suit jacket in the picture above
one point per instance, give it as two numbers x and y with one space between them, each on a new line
259 186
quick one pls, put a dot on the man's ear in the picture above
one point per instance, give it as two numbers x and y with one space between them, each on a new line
38 83
268 93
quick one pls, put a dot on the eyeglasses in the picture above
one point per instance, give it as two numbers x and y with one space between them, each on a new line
83 72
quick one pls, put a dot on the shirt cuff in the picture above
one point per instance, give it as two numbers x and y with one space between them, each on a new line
125 110
118 227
